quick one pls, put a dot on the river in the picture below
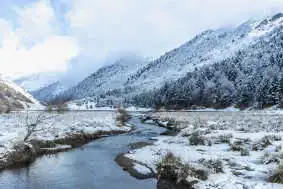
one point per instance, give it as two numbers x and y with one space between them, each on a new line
91 166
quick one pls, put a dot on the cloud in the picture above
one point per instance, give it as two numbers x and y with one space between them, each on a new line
55 35
33 43
35 21
50 55
153 27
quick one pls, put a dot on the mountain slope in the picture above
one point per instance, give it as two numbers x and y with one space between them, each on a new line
251 77
108 78
50 92
13 97
230 66
207 48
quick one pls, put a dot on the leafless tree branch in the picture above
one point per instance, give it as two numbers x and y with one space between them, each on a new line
32 126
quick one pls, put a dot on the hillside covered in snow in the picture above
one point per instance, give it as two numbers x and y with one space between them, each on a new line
109 79
233 66
50 92
13 97
250 76
236 66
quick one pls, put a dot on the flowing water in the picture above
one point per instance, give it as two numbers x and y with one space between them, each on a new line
89 167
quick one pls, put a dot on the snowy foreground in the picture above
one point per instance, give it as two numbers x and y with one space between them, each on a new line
54 126
248 146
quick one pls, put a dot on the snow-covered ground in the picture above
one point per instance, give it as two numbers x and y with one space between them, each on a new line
54 126
249 145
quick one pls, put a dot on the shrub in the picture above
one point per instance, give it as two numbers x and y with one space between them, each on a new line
198 123
167 167
237 145
274 137
245 152
277 176
216 165
272 157
49 108
197 138
261 144
225 138
122 116
172 168
278 148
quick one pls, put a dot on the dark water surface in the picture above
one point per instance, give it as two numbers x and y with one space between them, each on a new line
89 167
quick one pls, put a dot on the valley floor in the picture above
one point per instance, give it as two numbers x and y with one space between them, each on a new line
55 132
237 150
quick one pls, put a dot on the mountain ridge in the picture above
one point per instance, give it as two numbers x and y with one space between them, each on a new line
120 83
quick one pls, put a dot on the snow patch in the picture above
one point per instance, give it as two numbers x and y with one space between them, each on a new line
141 169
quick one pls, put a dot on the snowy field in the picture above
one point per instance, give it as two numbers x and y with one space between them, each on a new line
53 126
246 145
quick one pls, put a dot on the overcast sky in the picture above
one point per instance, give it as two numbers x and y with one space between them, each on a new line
56 35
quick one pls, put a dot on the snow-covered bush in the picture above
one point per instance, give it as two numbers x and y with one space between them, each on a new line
168 165
245 151
262 143
277 176
239 145
225 138
199 123
272 157
215 165
278 148
274 137
172 168
197 138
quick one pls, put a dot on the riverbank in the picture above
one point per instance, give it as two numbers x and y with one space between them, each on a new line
55 133
215 150
89 166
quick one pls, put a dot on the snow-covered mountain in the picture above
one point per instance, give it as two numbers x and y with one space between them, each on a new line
107 78
207 48
258 40
250 76
46 86
50 92
197 68
37 81
13 97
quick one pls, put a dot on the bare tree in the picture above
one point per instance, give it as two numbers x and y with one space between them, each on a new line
32 125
